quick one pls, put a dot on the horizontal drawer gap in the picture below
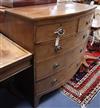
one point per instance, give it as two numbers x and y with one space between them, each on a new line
52 40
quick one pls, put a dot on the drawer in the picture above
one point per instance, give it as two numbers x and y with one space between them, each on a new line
50 66
85 22
47 50
47 32
55 64
57 79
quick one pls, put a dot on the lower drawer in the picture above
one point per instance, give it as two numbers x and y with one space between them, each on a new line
57 80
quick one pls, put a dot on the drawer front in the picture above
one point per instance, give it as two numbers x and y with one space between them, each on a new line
85 22
49 67
47 50
55 64
47 32
58 79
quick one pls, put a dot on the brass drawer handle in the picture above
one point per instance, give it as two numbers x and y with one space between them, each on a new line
59 32
55 66
54 82
57 48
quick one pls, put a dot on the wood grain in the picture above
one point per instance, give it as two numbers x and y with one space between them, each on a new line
18 3
67 44
46 68
49 11
11 55
60 77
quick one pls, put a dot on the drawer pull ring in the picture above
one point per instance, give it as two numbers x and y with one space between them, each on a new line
56 66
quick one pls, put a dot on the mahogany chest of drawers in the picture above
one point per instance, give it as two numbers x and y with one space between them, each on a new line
56 34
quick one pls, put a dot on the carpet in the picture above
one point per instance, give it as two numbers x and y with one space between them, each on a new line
85 84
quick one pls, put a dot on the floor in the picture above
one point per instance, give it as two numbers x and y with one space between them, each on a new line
54 100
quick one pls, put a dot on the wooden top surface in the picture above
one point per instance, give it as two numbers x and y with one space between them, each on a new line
10 52
51 10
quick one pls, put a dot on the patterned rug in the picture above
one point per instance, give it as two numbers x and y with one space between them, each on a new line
85 84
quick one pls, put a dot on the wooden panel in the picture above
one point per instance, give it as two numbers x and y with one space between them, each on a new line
49 67
51 11
2 18
57 80
44 51
47 32
85 22
11 53
14 69
20 31
17 3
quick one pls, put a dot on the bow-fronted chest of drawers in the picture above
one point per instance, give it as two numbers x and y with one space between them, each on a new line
56 34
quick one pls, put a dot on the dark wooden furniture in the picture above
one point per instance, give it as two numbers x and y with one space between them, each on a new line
18 3
2 17
13 58
56 35
97 2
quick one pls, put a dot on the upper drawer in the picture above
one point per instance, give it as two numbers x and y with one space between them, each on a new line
47 32
47 50
85 22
